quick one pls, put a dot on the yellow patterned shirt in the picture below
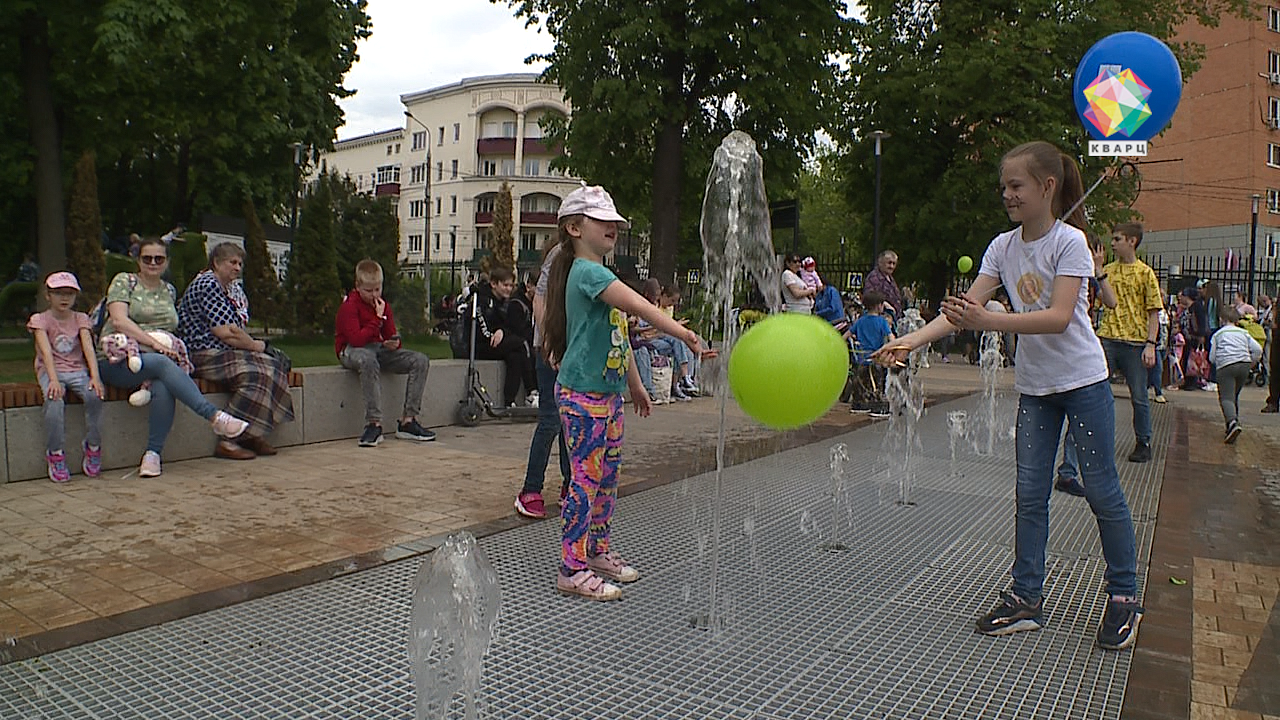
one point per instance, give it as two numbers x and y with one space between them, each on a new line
1137 294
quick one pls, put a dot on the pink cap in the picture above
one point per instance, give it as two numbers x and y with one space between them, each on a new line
62 280
594 202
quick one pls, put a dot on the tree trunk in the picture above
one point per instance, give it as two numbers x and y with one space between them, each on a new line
37 86
668 172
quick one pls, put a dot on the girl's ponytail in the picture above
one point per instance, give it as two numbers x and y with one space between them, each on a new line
1070 193
554 320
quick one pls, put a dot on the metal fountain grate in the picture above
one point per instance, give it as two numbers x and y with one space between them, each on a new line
882 630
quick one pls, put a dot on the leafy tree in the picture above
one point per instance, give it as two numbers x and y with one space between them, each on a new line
315 289
260 282
502 239
84 230
656 85
959 83
827 217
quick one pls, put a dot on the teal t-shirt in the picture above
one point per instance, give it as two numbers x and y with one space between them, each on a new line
597 353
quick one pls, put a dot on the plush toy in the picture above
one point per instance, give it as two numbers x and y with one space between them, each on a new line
119 347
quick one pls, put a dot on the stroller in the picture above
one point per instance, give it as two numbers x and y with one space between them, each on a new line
476 403
1257 373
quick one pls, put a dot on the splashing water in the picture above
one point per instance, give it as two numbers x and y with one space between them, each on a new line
957 426
737 248
453 619
838 501
905 394
991 364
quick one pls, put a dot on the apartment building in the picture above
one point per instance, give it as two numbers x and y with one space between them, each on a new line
1222 148
459 143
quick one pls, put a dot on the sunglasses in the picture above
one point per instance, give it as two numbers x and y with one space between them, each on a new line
153 259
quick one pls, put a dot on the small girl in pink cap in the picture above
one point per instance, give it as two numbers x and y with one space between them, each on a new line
66 361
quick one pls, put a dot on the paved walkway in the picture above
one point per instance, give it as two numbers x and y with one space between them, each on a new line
212 533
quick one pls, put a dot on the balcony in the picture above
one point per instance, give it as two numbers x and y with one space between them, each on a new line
496 146
387 189
537 218
538 146
484 218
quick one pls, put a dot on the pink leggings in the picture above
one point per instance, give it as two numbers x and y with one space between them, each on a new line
593 436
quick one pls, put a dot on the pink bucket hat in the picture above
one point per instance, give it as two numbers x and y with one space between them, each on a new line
62 280
594 202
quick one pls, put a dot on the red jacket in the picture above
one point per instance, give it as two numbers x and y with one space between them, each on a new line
358 325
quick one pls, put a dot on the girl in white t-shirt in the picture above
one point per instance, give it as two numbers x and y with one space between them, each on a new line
1061 373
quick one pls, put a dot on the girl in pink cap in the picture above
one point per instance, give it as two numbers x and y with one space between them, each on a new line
66 361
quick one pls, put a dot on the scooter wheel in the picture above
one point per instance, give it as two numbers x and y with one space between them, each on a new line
469 414
1260 380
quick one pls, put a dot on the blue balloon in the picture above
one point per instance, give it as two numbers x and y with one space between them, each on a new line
1127 87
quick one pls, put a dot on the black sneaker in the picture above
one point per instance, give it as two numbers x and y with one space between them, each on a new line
371 436
1012 615
1119 627
1141 453
1069 485
413 431
1233 432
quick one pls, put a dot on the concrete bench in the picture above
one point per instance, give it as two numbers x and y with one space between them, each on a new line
327 405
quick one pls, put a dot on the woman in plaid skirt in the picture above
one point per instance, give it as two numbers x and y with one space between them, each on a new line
213 317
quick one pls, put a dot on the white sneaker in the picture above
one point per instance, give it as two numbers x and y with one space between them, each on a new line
227 425
150 466
532 398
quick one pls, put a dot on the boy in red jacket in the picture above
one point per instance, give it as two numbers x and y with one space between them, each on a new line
366 341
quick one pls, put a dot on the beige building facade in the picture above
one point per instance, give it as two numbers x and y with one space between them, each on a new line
460 142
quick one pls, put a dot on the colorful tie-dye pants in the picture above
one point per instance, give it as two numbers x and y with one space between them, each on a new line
593 436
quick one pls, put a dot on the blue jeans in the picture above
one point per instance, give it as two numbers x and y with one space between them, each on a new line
1155 375
549 429
679 353
167 383
1090 412
643 358
55 410
1126 359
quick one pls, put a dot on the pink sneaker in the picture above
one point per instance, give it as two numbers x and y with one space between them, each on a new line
613 567
228 426
588 585
92 464
58 471
530 505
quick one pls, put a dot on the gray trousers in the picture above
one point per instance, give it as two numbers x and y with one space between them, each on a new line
55 410
371 360
1231 379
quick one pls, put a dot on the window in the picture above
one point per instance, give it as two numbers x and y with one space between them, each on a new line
417 173
415 243
454 165
528 241
1273 19
508 167
1271 248
457 131
508 129
416 207
440 170
453 204
397 148
531 167
1273 155
532 130
419 139
388 174
388 149
441 137
1273 63
438 200
488 168
437 242
1273 200
484 203
491 129
539 202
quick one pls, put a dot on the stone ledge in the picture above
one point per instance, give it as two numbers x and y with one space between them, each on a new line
327 403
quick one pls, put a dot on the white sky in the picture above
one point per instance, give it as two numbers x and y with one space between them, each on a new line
421 44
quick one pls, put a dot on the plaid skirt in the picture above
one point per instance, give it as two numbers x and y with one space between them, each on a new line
260 386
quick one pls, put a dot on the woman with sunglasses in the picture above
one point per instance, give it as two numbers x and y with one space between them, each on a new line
797 297
140 302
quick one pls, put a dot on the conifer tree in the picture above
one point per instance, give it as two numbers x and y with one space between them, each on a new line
315 288
503 224
260 282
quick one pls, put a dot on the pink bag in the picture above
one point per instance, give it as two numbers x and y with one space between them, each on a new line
1198 363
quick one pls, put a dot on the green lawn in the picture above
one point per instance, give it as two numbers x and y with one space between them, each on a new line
17 358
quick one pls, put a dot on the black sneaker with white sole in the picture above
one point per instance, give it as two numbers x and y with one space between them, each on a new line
1233 432
1141 453
1119 627
1012 615
413 431
371 436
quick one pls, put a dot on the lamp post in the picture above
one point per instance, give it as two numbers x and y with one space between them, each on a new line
297 164
1253 243
877 135
453 257
426 213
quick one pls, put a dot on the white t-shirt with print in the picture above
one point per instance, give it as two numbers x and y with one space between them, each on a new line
1048 363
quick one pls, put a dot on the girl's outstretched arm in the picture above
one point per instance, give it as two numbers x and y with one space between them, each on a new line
896 352
965 313
631 302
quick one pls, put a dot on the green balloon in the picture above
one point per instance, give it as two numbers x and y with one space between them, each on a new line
788 370
965 264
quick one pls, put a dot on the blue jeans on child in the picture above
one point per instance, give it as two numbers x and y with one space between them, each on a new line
55 427
1127 359
168 382
679 353
1090 412
642 356
549 430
